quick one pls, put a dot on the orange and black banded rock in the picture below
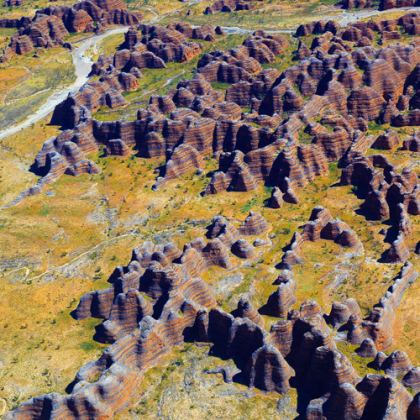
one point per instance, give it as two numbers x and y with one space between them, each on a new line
412 379
44 31
276 199
280 301
412 144
397 364
271 152
244 62
408 23
398 251
228 6
382 5
158 300
13 3
379 360
14 22
375 396
355 331
50 25
223 230
387 141
332 147
281 336
414 408
243 249
320 225
103 387
388 195
385 395
254 224
268 370
184 159
383 188
147 47
345 402
392 4
329 368
245 310
342 311
367 348
155 283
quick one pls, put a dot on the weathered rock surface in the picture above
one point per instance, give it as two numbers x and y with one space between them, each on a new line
412 379
50 25
228 6
276 199
397 364
387 141
254 224
13 3
301 122
245 310
320 225
342 311
243 249
367 348
279 303
269 150
375 396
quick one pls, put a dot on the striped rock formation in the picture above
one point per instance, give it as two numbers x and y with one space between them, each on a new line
261 146
49 26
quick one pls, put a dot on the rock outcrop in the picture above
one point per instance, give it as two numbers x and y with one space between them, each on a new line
283 130
51 25
13 3
158 300
228 6
321 225
280 301
345 90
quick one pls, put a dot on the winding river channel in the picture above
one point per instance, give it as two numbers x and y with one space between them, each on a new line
82 65
82 61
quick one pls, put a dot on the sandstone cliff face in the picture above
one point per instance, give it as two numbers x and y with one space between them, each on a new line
158 300
268 370
382 5
13 3
280 301
228 6
119 74
320 225
154 303
388 195
49 26
364 399
341 312
299 164
300 121
245 310
270 150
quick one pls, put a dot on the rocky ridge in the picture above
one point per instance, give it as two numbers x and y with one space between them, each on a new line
381 5
300 121
348 85
228 6
158 301
50 26
13 3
